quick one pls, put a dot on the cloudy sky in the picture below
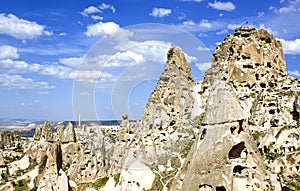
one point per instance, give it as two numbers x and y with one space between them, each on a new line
102 58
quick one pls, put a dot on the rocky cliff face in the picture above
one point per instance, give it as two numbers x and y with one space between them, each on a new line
238 129
246 107
164 134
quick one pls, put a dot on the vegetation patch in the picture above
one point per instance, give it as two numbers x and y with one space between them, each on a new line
21 185
257 134
65 167
156 185
117 178
99 183
286 93
293 184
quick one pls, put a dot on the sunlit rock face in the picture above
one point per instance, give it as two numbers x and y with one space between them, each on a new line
238 129
250 118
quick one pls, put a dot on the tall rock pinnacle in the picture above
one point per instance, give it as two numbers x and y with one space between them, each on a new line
176 58
166 128
172 97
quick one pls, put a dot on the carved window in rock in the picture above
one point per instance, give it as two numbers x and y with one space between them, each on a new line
236 150
238 169
204 131
220 188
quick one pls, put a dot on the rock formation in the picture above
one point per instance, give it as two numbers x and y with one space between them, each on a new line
2 163
9 139
37 133
247 71
47 134
51 177
59 131
238 129
68 134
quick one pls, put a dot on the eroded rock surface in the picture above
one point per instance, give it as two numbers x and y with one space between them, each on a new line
247 92
47 134
238 129
68 134
9 139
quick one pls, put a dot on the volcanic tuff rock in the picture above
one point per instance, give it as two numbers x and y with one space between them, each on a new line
9 138
68 134
247 92
51 177
2 163
238 129
60 131
47 134
165 131
37 133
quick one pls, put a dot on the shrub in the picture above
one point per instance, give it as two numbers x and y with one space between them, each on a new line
99 183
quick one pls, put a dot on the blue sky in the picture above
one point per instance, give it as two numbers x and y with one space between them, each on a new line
119 55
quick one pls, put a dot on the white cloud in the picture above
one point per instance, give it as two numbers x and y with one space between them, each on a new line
203 66
202 48
202 35
89 10
127 57
14 66
291 47
8 52
56 71
286 10
223 31
19 82
48 33
224 6
295 73
160 12
35 102
204 25
272 8
233 26
92 76
260 14
104 6
102 29
51 50
20 28
73 62
97 17
34 67
283 17
62 34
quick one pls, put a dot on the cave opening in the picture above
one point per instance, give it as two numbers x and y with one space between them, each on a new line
236 150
